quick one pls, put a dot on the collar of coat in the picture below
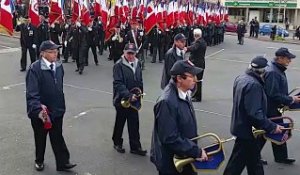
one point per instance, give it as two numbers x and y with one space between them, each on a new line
255 75
45 67
279 66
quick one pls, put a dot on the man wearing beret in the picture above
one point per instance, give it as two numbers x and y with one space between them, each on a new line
173 54
276 87
249 110
175 121
46 106
127 74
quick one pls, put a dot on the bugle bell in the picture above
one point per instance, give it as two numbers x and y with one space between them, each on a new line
214 151
137 105
293 106
279 138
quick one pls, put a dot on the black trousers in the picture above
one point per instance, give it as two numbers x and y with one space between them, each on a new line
280 152
198 93
94 51
158 50
187 170
24 56
245 153
132 117
58 144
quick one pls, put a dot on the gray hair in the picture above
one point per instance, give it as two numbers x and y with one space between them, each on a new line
197 32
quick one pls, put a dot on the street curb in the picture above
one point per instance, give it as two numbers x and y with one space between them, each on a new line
267 40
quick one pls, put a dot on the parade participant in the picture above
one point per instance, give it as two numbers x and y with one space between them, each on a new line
117 44
173 54
175 121
249 110
241 30
127 74
28 41
93 41
46 106
55 32
42 33
198 49
276 87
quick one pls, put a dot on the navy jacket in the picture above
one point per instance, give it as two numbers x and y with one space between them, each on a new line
43 87
174 125
125 78
249 106
28 35
170 58
276 88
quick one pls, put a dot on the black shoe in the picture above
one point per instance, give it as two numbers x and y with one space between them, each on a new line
196 100
97 64
263 162
65 61
286 161
160 61
153 61
119 148
80 72
76 70
139 151
39 166
66 167
22 70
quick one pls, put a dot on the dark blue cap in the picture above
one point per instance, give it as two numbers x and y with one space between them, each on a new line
48 45
185 66
130 47
259 62
284 52
179 36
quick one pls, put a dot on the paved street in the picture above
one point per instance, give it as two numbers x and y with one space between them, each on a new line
90 116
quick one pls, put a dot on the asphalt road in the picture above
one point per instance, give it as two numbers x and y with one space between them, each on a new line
90 115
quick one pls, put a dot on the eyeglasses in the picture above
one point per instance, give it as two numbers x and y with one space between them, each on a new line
130 53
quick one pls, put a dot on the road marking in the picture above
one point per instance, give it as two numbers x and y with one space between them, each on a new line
215 53
12 85
9 50
7 47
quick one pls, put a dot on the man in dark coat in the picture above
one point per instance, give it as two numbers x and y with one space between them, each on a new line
127 74
46 104
93 41
43 33
117 44
241 30
173 54
28 41
276 87
175 122
249 110
198 50
55 32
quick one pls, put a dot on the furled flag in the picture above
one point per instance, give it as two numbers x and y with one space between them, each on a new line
6 16
34 12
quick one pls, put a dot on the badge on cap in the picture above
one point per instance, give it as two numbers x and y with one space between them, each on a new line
131 46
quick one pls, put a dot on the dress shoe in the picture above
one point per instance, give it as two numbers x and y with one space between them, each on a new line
39 166
66 167
97 64
139 151
153 61
119 148
22 70
263 162
286 161
76 70
80 72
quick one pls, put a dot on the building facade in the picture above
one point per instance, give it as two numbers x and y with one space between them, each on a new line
266 11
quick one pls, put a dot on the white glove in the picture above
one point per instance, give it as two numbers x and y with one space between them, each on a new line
114 38
159 32
66 26
90 29
65 43
52 25
142 33
33 46
78 24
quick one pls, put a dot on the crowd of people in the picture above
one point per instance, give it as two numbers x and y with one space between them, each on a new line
256 96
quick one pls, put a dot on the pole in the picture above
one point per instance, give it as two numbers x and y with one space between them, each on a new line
278 13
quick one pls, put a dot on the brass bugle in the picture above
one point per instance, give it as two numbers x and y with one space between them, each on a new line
293 92
181 162
126 103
